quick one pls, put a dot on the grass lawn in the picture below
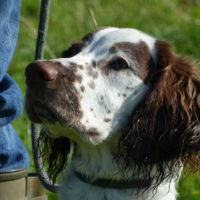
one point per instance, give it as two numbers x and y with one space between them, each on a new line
171 20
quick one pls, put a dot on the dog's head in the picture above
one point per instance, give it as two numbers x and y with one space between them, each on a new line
119 83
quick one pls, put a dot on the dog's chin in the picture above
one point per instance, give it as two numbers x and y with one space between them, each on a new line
55 126
56 130
40 113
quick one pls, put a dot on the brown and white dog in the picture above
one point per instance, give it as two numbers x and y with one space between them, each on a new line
130 106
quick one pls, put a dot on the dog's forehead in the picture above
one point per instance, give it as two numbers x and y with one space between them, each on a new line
108 37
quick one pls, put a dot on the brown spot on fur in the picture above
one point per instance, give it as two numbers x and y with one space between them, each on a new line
93 132
80 67
92 73
95 75
82 88
79 79
74 65
94 64
107 120
91 85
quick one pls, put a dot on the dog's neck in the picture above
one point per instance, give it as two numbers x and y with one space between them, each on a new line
96 161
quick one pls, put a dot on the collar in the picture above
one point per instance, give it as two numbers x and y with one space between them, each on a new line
115 184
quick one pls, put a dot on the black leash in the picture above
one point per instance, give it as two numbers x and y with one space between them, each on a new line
115 184
42 28
35 129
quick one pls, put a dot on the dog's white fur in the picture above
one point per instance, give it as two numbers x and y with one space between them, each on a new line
93 154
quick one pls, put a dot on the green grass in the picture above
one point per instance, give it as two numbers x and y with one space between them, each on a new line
170 20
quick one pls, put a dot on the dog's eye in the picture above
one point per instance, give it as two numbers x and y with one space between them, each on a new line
118 64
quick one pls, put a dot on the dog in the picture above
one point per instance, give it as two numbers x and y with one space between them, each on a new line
130 108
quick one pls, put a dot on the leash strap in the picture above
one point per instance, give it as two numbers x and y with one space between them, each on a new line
35 129
42 28
115 184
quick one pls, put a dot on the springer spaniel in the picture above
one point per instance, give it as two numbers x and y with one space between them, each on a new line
130 108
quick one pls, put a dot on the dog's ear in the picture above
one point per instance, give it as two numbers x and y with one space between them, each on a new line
165 127
77 46
54 153
74 49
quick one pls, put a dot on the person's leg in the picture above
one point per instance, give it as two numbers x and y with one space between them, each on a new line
12 152
9 22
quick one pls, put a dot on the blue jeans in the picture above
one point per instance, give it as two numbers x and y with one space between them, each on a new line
13 154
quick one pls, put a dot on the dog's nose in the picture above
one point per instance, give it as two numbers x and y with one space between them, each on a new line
41 71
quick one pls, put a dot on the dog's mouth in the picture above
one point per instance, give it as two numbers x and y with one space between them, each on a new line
40 113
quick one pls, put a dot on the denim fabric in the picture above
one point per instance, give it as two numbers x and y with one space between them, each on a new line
12 152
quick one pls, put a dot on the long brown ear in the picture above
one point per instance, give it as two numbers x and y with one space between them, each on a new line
54 152
165 127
